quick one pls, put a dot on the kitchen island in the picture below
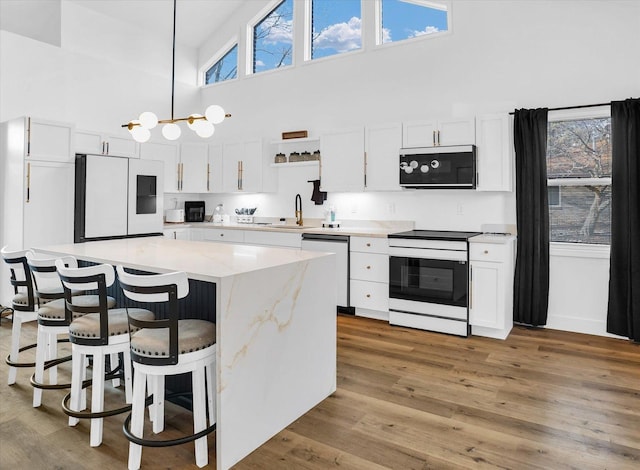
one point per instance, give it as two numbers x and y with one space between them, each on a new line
275 314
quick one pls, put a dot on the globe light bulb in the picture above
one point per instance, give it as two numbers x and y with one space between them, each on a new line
215 114
140 134
205 129
148 120
171 131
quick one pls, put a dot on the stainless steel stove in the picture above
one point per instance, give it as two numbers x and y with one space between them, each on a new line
429 280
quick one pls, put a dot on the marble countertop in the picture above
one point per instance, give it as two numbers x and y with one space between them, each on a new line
200 260
370 229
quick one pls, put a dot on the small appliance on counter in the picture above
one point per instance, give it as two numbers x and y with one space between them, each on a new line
194 211
245 215
175 216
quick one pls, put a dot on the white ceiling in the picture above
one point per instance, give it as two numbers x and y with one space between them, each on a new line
196 20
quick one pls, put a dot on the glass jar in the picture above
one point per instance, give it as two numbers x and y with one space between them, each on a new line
218 214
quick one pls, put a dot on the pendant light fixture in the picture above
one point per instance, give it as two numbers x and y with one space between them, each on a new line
203 126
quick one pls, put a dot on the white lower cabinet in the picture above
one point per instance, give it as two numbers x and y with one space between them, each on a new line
369 277
222 235
177 233
491 288
283 239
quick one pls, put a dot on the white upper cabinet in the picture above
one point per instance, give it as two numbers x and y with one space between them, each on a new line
194 161
382 144
495 155
168 153
97 143
435 132
47 140
214 169
242 167
342 160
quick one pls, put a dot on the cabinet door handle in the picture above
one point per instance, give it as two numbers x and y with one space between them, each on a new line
239 175
368 244
368 267
181 176
178 176
107 148
365 169
434 139
486 252
28 181
222 234
28 143
175 235
368 296
208 173
470 288
438 138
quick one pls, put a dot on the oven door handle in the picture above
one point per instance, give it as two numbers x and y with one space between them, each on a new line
426 253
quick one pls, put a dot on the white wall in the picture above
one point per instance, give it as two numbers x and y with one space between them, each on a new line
104 74
500 55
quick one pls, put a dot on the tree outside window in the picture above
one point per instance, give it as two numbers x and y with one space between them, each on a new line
273 39
579 166
224 69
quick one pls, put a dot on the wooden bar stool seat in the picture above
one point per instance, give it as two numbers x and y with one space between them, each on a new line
163 347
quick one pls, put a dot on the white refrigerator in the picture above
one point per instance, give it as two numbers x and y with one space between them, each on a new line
117 197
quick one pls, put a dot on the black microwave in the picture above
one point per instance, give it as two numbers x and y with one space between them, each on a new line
194 211
451 167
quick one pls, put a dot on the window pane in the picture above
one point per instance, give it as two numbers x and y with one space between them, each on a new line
405 19
579 149
583 215
336 27
225 69
273 39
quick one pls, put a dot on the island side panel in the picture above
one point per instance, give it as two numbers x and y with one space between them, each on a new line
276 334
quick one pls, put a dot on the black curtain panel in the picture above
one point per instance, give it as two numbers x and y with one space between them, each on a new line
531 282
623 315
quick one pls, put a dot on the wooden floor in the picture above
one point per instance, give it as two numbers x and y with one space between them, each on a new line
406 399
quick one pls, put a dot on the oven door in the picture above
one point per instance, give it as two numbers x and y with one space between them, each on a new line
429 280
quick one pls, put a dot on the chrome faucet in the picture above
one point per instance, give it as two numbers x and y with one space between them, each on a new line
298 210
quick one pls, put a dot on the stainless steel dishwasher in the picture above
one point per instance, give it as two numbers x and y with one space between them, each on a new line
338 244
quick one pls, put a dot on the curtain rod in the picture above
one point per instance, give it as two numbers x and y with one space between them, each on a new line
573 107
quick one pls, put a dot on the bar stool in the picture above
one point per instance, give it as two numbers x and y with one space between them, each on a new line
168 347
23 305
53 320
97 331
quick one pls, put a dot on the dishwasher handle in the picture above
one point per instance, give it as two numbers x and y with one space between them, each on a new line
325 238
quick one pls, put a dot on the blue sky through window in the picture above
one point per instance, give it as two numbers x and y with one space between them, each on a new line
402 19
273 39
337 27
225 69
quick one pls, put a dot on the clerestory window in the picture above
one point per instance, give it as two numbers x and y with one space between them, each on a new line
406 19
224 69
336 27
273 39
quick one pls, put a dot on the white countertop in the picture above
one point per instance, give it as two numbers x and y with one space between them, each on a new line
379 230
201 260
495 238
